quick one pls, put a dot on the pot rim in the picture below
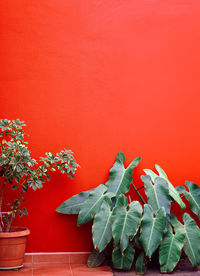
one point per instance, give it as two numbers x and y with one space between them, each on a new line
15 232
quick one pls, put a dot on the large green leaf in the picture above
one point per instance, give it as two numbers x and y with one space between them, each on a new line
102 225
125 222
158 194
170 249
141 264
91 204
125 260
119 177
73 204
193 196
172 191
192 238
152 227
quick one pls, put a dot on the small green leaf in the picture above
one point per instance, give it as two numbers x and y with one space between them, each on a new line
14 187
96 259
141 264
123 260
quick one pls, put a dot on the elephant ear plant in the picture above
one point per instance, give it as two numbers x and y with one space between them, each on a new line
19 172
135 230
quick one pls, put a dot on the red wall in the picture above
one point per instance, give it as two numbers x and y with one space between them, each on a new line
100 77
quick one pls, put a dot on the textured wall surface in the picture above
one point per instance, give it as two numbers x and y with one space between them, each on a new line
99 77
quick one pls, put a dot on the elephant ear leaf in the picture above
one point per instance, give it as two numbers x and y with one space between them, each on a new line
125 222
91 204
193 196
172 191
96 259
73 204
141 264
125 260
152 227
170 249
119 177
102 225
192 238
157 194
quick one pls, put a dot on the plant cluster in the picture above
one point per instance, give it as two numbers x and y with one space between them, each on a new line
19 170
129 226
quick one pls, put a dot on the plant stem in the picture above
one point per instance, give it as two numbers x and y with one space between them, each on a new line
140 187
138 193
1 201
1 197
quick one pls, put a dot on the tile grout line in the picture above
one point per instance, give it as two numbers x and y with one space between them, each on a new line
71 269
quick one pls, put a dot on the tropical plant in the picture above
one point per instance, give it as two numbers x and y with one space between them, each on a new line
133 226
20 171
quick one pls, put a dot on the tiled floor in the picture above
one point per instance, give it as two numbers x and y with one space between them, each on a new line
58 264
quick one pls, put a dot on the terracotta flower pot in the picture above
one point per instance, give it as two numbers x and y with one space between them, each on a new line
12 248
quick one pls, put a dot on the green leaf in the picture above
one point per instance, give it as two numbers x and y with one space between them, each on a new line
152 228
102 225
193 196
96 259
125 222
141 264
123 260
158 194
192 238
91 204
119 177
73 204
180 189
14 187
172 191
170 249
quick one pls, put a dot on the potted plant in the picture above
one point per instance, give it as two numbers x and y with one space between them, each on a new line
19 172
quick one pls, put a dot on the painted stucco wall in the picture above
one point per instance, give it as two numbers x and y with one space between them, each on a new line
99 77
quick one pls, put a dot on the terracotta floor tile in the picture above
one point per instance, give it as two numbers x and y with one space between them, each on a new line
51 258
28 259
51 269
84 267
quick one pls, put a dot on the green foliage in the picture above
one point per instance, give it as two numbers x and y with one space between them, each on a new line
141 263
119 177
152 228
172 191
170 249
74 204
102 226
96 259
192 238
157 194
125 221
125 260
19 170
193 196
92 204
123 226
